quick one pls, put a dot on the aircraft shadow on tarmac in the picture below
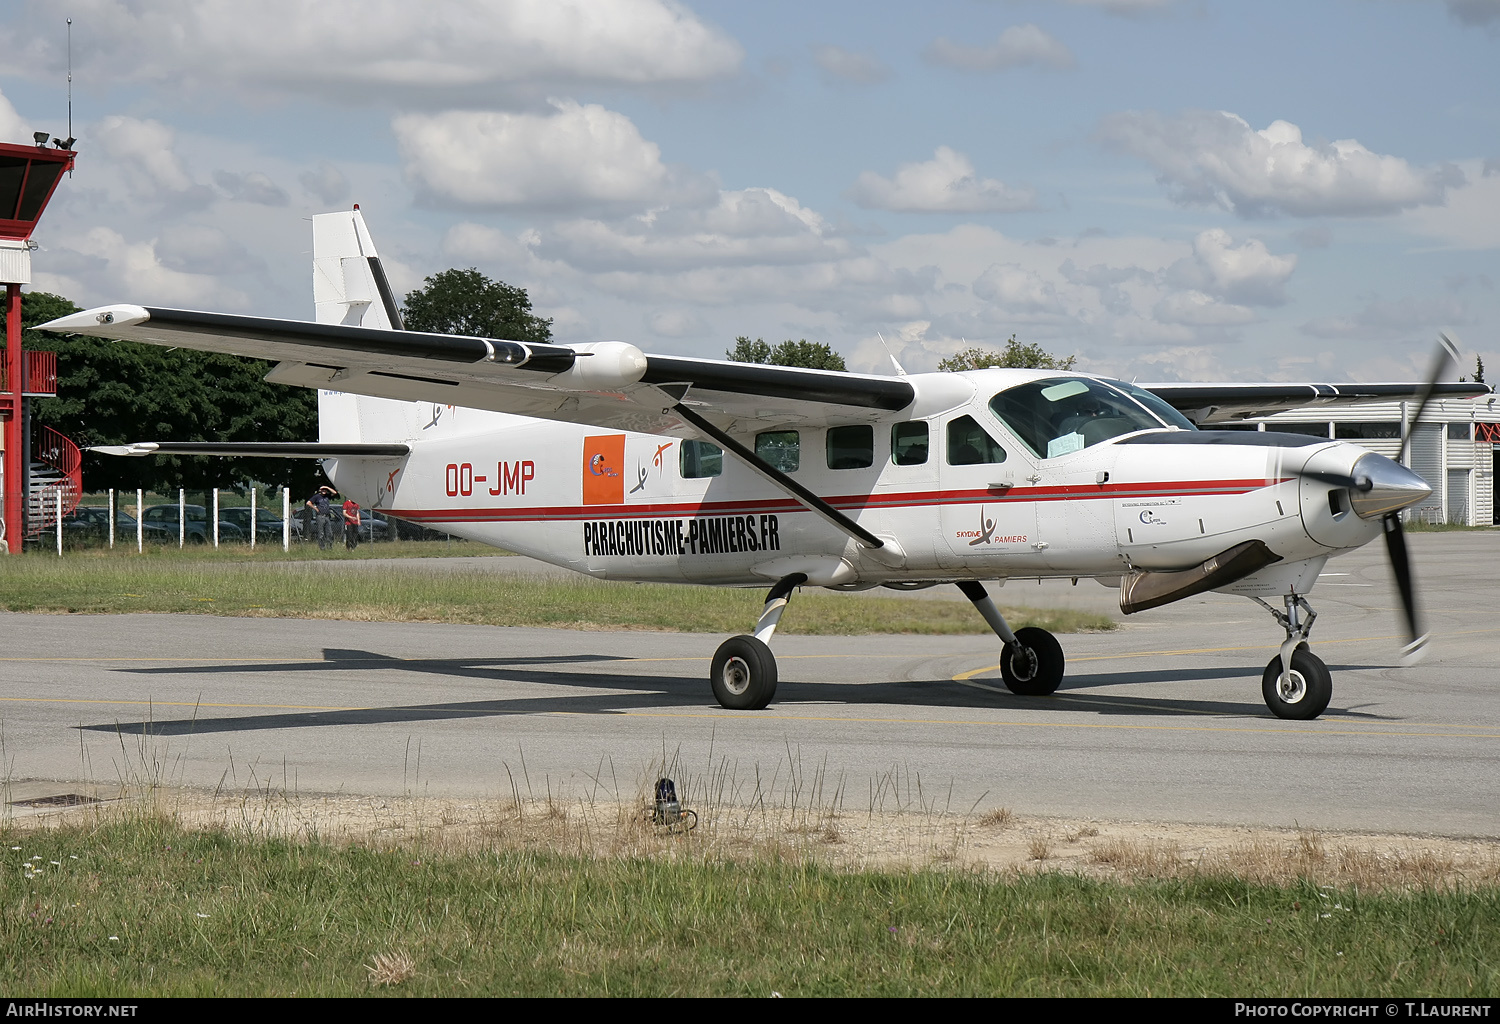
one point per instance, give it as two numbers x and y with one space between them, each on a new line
657 692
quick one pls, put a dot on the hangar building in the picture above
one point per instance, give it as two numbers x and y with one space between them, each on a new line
1456 448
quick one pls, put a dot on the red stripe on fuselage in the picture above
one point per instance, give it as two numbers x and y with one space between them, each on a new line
853 502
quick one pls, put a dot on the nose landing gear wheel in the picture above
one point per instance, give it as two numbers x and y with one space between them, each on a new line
743 674
1303 693
1038 669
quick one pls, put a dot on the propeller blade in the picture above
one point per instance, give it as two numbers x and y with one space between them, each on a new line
1446 352
1395 546
1353 483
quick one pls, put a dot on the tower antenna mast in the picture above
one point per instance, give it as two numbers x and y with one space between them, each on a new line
70 78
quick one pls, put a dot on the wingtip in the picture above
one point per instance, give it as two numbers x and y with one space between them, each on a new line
98 320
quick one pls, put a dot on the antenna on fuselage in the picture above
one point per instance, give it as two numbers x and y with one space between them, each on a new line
900 370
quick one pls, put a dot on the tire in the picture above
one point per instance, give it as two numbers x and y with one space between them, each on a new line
743 674
1308 692
1036 676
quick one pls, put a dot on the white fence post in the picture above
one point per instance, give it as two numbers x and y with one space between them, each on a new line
216 517
111 517
140 519
181 516
286 519
252 519
58 494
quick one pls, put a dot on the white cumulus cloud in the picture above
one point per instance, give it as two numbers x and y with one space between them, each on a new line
12 128
577 155
143 155
325 183
1413 317
1475 12
1197 309
1470 219
945 184
1125 8
251 187
1018 46
104 262
850 66
1247 273
1017 288
359 50
753 226
1215 157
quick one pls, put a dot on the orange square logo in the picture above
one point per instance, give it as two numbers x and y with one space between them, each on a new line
603 466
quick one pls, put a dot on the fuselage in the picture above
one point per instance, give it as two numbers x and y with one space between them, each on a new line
974 490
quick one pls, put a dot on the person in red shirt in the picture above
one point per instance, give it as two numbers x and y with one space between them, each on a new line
351 524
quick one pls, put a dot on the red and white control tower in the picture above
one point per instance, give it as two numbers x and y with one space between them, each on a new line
28 177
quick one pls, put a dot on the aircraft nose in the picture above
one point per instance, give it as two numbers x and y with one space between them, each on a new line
1382 486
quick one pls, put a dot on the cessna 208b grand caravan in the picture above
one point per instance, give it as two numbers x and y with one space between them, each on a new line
628 466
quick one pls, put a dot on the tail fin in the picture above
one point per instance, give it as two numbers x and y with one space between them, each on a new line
349 284
350 287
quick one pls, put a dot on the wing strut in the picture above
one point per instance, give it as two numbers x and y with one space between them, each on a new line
781 480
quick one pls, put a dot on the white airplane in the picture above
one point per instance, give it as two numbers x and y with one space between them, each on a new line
628 466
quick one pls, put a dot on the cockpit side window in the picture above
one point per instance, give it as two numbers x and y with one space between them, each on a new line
1059 415
969 444
1156 404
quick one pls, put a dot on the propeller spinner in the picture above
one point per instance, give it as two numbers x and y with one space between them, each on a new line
1382 487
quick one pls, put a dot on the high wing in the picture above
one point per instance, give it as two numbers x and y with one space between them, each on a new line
608 384
1208 404
615 385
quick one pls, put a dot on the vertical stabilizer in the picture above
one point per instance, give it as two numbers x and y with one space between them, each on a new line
349 284
350 287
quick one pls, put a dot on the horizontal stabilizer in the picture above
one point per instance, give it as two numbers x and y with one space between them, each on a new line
250 449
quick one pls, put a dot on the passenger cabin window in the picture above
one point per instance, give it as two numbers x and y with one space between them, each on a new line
851 447
1056 416
782 449
699 459
909 443
970 445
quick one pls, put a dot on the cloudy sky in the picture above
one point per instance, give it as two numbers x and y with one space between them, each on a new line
1170 189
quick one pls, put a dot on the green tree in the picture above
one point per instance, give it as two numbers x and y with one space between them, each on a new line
116 392
468 303
1014 355
812 355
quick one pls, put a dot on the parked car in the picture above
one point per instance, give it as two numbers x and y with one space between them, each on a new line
267 525
196 530
371 527
92 521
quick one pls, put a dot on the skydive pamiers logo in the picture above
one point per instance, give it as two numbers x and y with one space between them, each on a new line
603 457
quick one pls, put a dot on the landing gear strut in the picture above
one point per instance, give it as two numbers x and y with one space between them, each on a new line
1296 683
743 675
1031 663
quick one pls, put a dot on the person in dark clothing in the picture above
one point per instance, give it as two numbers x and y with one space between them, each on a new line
322 512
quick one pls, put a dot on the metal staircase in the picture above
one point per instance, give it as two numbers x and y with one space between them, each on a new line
56 476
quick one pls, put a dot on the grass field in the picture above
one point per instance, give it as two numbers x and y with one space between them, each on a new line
143 906
202 583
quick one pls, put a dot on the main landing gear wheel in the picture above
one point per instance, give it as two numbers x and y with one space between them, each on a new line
743 674
1037 668
1301 694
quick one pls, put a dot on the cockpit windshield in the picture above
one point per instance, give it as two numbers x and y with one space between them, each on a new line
1058 415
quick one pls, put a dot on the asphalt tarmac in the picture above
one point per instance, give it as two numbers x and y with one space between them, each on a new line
1159 721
